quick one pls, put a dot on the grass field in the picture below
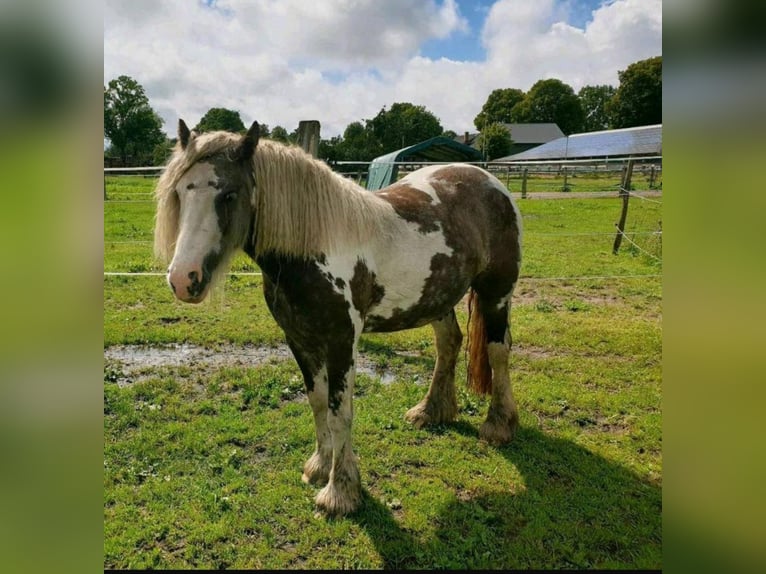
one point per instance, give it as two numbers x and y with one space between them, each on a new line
203 451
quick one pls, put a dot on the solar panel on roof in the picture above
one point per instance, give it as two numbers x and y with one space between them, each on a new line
643 140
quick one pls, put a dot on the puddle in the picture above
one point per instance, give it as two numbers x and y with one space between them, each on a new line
133 359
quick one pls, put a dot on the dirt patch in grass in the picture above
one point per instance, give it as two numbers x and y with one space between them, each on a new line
127 364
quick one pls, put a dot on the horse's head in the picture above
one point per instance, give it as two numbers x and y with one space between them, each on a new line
213 204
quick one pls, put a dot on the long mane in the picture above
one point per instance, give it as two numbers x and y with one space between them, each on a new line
302 208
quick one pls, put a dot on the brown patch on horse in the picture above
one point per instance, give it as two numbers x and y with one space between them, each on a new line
365 291
479 371
413 205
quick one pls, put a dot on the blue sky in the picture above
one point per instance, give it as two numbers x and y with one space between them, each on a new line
339 61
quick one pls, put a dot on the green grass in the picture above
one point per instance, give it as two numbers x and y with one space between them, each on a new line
202 464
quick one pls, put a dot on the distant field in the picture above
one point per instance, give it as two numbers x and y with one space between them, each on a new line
206 426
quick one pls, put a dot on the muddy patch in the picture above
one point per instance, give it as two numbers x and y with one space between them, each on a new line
127 364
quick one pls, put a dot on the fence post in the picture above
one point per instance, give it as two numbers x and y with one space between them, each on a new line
651 178
625 195
524 183
566 187
308 136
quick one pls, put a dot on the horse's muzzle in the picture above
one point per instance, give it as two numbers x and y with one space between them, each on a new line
189 286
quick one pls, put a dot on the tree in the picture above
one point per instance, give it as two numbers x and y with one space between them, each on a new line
131 125
638 100
495 141
403 125
280 134
359 142
594 101
220 119
498 107
451 134
551 101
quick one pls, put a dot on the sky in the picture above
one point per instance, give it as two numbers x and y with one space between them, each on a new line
339 61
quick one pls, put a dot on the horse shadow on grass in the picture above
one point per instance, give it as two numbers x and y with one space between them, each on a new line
577 510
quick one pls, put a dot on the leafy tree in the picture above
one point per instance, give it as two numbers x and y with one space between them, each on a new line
594 101
495 141
403 125
551 101
451 134
264 131
359 142
638 100
162 151
131 125
331 150
280 134
498 107
220 119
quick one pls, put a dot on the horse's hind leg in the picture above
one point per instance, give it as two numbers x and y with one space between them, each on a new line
440 403
502 418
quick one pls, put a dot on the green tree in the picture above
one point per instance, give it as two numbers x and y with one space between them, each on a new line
220 119
359 142
498 107
403 125
638 100
280 134
551 101
594 101
130 124
451 134
162 151
495 141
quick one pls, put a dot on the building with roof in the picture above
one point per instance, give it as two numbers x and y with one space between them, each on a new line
523 136
383 170
641 141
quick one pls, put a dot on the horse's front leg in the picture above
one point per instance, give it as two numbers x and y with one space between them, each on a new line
317 467
343 492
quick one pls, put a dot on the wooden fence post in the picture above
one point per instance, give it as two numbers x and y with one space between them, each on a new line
524 183
308 136
625 195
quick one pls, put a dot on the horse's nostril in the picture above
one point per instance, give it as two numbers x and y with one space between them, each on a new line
193 276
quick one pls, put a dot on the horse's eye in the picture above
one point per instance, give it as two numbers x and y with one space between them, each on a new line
230 197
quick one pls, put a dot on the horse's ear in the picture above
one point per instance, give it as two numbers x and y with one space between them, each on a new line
183 134
247 146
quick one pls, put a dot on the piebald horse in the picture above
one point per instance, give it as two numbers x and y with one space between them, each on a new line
339 261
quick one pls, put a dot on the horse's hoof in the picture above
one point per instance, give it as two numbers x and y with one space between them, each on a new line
417 416
426 414
315 472
499 431
331 502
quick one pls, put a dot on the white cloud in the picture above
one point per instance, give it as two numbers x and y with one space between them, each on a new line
280 61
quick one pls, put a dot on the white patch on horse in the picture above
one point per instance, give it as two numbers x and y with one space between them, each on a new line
200 233
403 272
421 180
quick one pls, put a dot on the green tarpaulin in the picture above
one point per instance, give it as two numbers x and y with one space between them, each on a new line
383 170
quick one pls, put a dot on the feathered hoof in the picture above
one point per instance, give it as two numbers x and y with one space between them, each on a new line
425 413
316 471
499 429
333 501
